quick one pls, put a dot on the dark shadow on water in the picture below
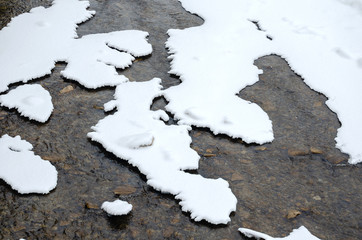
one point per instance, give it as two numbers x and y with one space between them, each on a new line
119 222
117 160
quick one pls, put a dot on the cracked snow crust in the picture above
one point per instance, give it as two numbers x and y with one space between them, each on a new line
217 57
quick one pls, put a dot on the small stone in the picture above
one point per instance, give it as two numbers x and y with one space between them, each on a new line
197 134
209 150
317 104
67 89
124 190
150 233
269 106
317 198
209 155
293 213
175 220
315 150
296 152
245 161
91 205
261 148
236 177
168 232
98 107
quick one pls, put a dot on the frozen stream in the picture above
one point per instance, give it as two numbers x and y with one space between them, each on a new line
300 171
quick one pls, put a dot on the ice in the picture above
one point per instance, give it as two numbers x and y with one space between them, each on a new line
34 41
31 100
136 134
321 42
24 171
298 234
117 207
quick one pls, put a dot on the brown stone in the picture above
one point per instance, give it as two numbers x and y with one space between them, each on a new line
315 150
209 150
67 89
168 232
261 148
91 205
124 190
293 213
237 177
269 106
209 155
245 161
317 104
98 107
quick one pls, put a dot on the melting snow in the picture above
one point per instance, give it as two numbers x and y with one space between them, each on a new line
50 35
298 234
117 207
215 61
31 100
24 171
161 152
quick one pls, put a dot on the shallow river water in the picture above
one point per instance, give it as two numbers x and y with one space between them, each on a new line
300 172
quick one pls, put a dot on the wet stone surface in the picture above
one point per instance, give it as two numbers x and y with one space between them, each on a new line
298 179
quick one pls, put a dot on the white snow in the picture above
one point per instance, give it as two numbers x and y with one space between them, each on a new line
325 49
320 40
137 135
298 234
214 62
34 41
24 171
31 100
117 207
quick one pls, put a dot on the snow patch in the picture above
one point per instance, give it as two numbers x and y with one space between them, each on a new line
24 171
50 35
31 100
298 234
137 135
117 207
215 61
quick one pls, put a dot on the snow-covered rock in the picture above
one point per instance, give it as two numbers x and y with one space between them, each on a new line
24 171
298 234
31 100
137 135
117 207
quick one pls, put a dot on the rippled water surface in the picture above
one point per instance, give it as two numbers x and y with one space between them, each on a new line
301 171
